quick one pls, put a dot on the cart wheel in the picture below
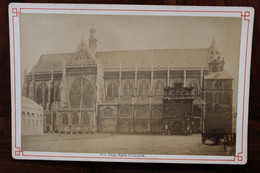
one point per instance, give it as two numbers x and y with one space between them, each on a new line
214 141
203 140
217 141
225 146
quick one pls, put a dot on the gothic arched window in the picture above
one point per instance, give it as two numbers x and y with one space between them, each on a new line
57 92
143 88
227 100
159 88
112 90
124 112
108 112
141 112
48 119
65 119
217 108
215 68
157 112
42 95
85 119
196 110
218 85
128 89
88 96
75 119
75 94
217 97
221 68
81 94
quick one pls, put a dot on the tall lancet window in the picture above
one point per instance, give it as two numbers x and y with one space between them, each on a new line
82 94
141 112
75 119
128 89
57 92
85 118
159 88
88 95
75 94
42 95
65 119
108 112
124 113
112 90
143 88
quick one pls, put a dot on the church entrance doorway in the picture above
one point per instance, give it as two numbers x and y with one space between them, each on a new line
176 128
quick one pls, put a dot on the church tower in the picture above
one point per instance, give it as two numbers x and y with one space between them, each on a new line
215 58
92 40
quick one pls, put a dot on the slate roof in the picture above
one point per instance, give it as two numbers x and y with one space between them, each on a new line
29 103
131 58
158 57
220 75
47 61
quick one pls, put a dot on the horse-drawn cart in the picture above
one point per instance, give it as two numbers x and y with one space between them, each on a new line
215 136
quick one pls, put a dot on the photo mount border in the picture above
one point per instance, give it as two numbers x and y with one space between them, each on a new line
14 13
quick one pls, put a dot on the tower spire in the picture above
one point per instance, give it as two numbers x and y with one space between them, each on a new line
92 40
213 43
215 58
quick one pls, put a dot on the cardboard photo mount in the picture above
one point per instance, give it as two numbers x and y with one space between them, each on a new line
245 14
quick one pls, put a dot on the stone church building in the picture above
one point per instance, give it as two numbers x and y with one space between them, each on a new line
122 91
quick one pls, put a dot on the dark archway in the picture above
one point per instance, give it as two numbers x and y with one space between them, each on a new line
176 128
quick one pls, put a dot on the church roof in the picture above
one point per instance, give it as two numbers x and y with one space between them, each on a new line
130 58
220 75
29 103
49 61
158 57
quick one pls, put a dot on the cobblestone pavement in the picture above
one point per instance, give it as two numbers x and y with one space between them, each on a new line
119 143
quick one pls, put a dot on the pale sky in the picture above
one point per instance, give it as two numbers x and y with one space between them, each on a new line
61 33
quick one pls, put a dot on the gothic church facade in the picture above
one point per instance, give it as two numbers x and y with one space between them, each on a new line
122 91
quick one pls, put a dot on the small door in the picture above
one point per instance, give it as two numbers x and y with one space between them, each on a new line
176 129
47 128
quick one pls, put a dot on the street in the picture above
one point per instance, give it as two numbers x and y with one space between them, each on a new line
120 143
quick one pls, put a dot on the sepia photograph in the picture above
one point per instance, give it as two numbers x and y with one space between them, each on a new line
125 83
163 85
